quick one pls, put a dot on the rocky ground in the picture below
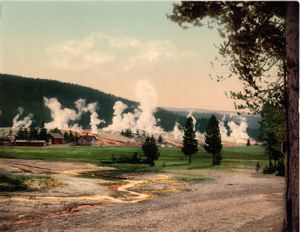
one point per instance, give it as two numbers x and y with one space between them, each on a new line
227 201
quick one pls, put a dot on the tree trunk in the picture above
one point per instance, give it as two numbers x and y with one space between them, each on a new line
292 171
190 159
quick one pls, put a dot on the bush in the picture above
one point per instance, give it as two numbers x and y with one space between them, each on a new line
269 169
127 133
280 168
9 183
150 150
132 159
257 166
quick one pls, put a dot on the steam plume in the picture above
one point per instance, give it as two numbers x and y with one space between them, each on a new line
61 117
177 132
142 118
94 119
26 122
237 130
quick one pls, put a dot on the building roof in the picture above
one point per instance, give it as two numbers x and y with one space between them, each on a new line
29 141
56 135
88 137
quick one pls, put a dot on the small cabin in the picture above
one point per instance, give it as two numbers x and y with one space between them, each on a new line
87 140
56 138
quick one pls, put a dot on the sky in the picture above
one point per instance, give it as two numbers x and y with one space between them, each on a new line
110 46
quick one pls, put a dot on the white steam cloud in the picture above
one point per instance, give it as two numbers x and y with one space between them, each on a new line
120 120
61 117
142 118
237 130
94 118
177 131
26 122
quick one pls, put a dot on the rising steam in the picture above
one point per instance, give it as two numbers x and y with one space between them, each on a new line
177 131
62 117
142 118
237 130
26 122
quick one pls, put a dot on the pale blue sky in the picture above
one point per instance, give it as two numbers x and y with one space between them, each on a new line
110 46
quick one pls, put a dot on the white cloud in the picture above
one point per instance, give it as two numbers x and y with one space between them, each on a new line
123 53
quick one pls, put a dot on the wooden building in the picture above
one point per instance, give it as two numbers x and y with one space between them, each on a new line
56 138
5 141
27 142
87 140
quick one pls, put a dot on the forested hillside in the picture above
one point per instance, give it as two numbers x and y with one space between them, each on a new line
28 93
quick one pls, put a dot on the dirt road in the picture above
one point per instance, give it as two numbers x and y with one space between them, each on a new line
238 201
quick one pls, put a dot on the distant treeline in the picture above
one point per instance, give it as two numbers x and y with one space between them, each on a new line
28 93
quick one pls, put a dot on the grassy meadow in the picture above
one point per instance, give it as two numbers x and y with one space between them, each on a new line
170 158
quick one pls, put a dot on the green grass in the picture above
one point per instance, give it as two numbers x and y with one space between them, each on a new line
9 182
14 182
170 158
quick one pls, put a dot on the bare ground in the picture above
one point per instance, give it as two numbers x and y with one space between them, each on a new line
236 201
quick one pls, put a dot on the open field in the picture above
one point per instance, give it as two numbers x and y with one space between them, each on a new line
170 158
67 189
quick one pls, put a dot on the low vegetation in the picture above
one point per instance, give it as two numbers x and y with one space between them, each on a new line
17 182
9 183
170 158
194 178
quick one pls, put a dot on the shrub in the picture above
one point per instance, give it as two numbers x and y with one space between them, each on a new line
150 150
269 169
127 133
257 166
9 183
280 168
133 159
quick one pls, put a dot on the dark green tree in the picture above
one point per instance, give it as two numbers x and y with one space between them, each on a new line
20 133
25 133
55 130
273 131
43 134
190 143
66 136
127 133
248 143
160 139
33 133
76 136
150 150
71 136
213 142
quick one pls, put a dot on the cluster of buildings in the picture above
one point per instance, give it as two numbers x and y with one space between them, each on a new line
53 139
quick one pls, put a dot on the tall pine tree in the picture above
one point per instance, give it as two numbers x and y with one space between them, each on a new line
190 143
213 143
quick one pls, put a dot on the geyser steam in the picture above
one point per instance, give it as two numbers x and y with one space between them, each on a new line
61 117
142 118
237 130
26 122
